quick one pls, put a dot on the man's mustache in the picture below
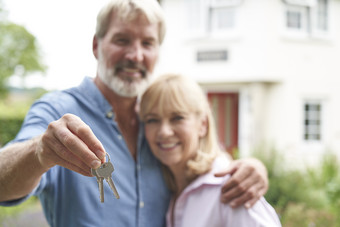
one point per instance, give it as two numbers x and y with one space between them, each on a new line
132 65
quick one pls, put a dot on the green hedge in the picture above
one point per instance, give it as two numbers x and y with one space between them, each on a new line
12 114
303 198
9 127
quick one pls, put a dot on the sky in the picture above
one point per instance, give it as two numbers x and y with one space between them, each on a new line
64 30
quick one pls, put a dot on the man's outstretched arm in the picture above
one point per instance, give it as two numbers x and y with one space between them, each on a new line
67 142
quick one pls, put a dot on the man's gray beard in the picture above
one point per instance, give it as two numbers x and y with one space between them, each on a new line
121 87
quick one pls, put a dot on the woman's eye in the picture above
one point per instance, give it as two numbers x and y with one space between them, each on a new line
177 118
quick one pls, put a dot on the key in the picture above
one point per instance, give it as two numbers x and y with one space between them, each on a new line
100 184
105 171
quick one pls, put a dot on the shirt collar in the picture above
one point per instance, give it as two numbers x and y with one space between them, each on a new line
220 163
95 96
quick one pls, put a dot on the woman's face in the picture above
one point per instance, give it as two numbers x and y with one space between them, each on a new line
173 136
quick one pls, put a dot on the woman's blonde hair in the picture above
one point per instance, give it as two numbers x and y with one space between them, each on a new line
129 10
184 95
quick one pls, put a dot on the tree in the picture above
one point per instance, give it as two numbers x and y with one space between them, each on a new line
19 52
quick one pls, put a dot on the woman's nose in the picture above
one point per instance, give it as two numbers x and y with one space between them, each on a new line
165 130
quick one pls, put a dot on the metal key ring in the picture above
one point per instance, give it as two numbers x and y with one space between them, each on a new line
108 157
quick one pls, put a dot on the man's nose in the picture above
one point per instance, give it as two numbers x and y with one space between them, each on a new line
135 53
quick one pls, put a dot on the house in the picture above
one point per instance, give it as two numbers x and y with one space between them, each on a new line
270 68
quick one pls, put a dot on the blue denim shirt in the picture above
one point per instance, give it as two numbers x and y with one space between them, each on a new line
72 200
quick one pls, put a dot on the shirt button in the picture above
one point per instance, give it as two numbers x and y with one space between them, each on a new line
109 114
120 137
141 204
138 167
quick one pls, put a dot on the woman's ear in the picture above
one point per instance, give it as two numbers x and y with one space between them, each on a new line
203 127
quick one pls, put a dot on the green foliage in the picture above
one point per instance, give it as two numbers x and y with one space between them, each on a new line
8 212
9 128
2 11
327 180
12 114
303 197
299 215
18 52
14 109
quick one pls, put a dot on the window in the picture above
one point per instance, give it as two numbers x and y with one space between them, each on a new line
222 15
308 17
212 16
322 15
296 19
312 121
196 15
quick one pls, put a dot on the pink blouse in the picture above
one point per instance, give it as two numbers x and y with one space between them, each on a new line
199 205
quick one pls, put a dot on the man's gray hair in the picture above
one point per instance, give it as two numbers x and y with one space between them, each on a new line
130 10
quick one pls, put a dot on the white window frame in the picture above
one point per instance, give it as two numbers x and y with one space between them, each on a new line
317 31
314 148
310 129
225 2
196 17
304 14
309 10
309 3
206 23
213 24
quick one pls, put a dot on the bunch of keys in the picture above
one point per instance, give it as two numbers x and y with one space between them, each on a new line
105 172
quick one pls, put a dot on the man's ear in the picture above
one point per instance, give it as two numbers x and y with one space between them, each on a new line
203 127
95 46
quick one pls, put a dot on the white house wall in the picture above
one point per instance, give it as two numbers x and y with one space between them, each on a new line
273 71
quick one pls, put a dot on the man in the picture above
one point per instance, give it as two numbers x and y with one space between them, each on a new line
66 133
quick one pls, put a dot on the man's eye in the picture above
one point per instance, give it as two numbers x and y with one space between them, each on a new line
148 43
121 41
151 121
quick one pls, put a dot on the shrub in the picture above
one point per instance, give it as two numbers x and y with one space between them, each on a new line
12 114
303 198
299 215
9 128
8 212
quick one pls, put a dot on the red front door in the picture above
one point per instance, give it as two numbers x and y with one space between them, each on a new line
225 110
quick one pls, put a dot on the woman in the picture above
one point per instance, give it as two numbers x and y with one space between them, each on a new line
180 130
